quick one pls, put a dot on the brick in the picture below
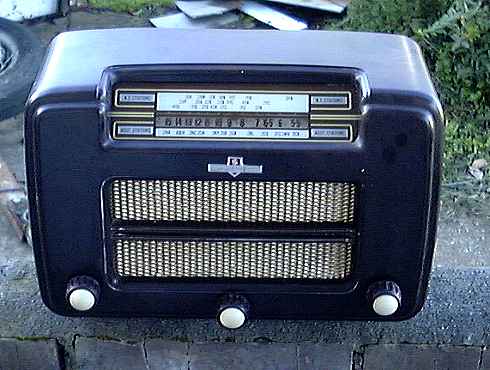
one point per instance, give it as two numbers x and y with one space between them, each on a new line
325 356
247 356
485 359
91 354
29 354
421 357
166 355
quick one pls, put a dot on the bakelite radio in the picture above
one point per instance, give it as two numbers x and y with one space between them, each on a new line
233 174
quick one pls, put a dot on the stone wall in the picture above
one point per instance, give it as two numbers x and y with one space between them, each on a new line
151 354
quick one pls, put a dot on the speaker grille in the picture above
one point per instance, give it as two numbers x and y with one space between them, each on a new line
232 259
232 201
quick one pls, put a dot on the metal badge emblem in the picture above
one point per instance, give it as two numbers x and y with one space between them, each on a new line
234 166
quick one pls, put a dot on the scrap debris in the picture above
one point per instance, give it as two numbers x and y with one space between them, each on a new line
206 8
180 20
478 168
271 16
222 13
327 6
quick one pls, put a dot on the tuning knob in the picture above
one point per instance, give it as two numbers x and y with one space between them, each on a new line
233 311
82 293
385 297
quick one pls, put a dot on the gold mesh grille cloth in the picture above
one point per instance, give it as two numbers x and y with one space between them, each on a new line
232 201
233 259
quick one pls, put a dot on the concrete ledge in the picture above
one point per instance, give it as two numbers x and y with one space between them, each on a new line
457 312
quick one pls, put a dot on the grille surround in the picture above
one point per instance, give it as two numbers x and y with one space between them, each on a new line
232 259
232 201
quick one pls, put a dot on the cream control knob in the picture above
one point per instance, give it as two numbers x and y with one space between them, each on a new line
385 297
233 311
232 318
82 293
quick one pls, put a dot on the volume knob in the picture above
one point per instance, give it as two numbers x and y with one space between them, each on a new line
82 293
233 311
385 297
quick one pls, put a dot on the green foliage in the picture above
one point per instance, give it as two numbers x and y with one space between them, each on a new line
127 5
393 16
455 39
458 49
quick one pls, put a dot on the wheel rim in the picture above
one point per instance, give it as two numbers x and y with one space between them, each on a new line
8 52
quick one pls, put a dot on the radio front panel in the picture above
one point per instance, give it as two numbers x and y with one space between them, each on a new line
279 112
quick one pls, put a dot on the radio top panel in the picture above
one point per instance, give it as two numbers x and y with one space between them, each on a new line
175 85
391 63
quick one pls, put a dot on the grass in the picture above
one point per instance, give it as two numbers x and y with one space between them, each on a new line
127 5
